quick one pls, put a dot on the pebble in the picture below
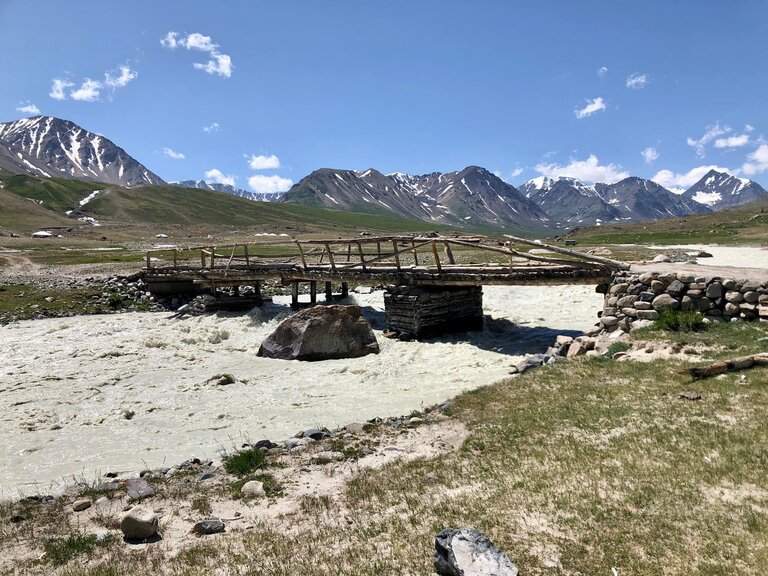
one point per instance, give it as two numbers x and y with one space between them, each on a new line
81 504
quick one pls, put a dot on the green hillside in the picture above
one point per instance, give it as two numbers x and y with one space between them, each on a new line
19 214
56 194
190 206
746 224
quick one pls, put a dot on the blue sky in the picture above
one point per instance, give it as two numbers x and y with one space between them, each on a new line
593 89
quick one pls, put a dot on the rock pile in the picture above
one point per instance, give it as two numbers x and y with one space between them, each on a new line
634 297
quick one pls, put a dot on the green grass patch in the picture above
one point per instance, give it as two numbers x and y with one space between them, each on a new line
617 347
680 321
244 462
61 551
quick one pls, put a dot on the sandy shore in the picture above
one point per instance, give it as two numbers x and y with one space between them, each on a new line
91 394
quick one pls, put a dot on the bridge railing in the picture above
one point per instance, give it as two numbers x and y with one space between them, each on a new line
367 253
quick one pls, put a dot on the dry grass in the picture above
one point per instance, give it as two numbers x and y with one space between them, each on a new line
582 467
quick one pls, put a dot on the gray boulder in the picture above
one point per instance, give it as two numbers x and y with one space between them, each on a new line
139 523
467 552
208 526
321 333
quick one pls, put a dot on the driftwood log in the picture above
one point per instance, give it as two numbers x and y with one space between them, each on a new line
726 366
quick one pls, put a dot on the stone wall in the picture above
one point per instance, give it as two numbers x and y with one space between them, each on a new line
633 298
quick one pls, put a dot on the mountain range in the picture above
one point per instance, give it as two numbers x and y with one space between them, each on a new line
471 197
48 147
228 189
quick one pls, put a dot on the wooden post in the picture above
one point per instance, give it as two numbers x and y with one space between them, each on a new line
213 256
349 252
449 253
437 258
294 294
330 256
301 255
344 289
328 291
149 261
397 256
202 257
378 249
175 257
415 256
362 256
247 260
313 292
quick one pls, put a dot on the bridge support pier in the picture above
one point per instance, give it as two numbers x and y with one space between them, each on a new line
425 311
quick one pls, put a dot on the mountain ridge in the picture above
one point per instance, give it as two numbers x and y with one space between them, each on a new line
53 147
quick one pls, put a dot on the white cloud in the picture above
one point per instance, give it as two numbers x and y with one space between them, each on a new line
650 154
732 141
670 179
28 108
592 106
90 90
516 172
217 176
712 132
264 162
126 75
589 170
602 71
58 89
171 153
218 63
748 128
637 81
269 184
757 161
212 128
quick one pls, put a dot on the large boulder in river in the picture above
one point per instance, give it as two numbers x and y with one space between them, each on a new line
321 333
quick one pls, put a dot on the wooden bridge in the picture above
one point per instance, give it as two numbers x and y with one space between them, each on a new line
451 266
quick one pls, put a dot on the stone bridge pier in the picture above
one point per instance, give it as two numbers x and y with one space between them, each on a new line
425 311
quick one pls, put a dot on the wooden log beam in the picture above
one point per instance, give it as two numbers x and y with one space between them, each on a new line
724 366
605 261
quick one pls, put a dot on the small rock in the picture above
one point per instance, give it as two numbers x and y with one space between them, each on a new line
662 258
467 552
253 489
664 301
138 488
355 427
208 526
139 523
689 395
316 434
563 340
81 504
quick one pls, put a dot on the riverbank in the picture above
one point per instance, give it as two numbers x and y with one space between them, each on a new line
586 466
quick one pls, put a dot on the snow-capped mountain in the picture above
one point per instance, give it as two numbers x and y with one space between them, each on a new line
51 147
720 190
227 189
639 199
570 202
473 196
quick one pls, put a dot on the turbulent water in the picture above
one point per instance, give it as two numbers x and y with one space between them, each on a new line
120 392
